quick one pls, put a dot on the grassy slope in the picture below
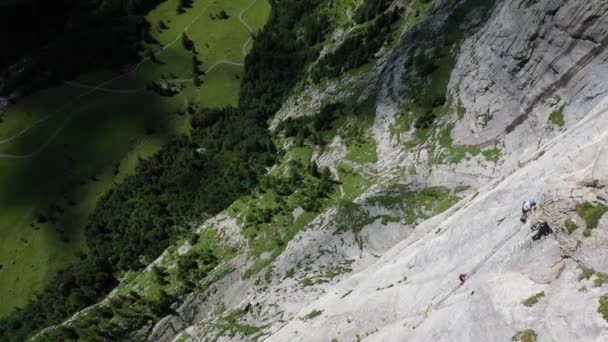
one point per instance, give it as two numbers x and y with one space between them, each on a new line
98 132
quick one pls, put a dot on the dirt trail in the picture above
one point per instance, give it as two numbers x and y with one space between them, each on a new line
101 88
222 61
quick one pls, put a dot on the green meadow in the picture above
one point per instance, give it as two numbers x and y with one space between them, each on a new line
63 147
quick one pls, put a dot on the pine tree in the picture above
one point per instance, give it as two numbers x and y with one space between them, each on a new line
196 73
152 56
299 140
326 174
314 169
186 42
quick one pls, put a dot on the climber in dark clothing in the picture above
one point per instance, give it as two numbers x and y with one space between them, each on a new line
542 229
462 277
540 224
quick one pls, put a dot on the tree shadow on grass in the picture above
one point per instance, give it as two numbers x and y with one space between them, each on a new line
76 156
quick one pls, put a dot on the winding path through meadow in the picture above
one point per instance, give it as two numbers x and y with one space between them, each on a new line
101 88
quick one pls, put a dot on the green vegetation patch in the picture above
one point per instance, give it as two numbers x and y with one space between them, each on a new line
415 205
527 335
557 117
268 221
353 183
460 109
357 133
601 279
590 213
369 9
47 198
113 320
570 226
351 120
603 306
352 217
533 299
586 273
326 275
492 154
357 49
231 325
312 315
451 153
147 296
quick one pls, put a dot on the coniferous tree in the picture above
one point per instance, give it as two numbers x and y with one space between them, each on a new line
299 140
223 15
196 73
152 56
326 174
314 169
186 42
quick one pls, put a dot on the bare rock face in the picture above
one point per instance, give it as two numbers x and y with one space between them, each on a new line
412 293
530 59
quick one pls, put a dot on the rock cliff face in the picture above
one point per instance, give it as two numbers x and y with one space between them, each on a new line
524 114
531 58
412 293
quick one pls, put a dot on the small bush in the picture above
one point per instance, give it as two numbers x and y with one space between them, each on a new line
603 307
223 15
557 117
370 9
492 155
587 273
590 213
527 335
570 226
533 299
600 279
313 314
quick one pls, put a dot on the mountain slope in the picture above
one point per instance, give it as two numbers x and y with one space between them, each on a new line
398 175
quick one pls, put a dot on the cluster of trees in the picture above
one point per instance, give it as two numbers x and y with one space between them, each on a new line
188 44
135 221
314 127
357 49
369 9
69 291
196 71
315 29
307 186
117 320
194 266
222 15
182 5
64 38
